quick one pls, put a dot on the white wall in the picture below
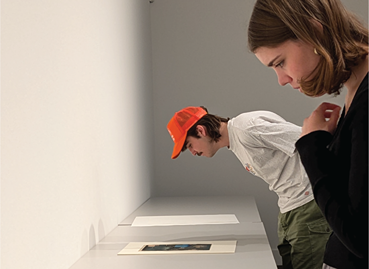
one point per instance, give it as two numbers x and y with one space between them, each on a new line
76 125
200 57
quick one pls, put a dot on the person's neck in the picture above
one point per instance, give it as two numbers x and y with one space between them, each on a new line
353 83
224 139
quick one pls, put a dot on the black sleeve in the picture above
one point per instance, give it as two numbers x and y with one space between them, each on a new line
343 201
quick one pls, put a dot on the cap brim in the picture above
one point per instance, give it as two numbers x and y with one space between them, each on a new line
178 147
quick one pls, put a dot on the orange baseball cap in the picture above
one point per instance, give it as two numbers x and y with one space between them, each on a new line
181 122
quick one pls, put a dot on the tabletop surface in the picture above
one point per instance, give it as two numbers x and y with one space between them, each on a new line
252 249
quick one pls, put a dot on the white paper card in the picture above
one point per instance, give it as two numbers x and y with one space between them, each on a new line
189 247
184 220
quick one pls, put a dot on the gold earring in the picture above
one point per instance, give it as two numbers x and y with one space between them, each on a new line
315 51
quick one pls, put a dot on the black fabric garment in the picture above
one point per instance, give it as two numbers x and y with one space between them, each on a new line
337 167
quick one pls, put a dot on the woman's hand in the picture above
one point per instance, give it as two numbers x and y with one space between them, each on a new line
324 118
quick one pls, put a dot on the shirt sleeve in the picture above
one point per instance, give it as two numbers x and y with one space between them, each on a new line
344 202
277 135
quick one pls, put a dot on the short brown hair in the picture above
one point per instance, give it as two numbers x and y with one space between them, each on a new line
342 45
211 124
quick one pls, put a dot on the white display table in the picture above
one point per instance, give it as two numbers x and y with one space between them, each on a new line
252 251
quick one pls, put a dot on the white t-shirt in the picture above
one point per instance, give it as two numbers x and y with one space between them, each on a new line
265 144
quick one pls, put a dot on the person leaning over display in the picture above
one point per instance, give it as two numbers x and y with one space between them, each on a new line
317 47
265 145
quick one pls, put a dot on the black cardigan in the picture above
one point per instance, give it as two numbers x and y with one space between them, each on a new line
337 167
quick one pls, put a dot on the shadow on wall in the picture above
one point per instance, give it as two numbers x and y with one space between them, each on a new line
92 238
89 239
101 230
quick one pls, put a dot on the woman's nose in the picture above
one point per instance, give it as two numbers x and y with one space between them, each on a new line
283 78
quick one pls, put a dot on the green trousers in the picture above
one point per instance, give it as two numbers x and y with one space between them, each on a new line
303 233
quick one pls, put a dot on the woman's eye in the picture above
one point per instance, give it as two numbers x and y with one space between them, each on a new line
280 64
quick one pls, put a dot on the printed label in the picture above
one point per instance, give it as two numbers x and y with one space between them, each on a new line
250 169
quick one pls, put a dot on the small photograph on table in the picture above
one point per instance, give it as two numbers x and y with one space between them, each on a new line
176 247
